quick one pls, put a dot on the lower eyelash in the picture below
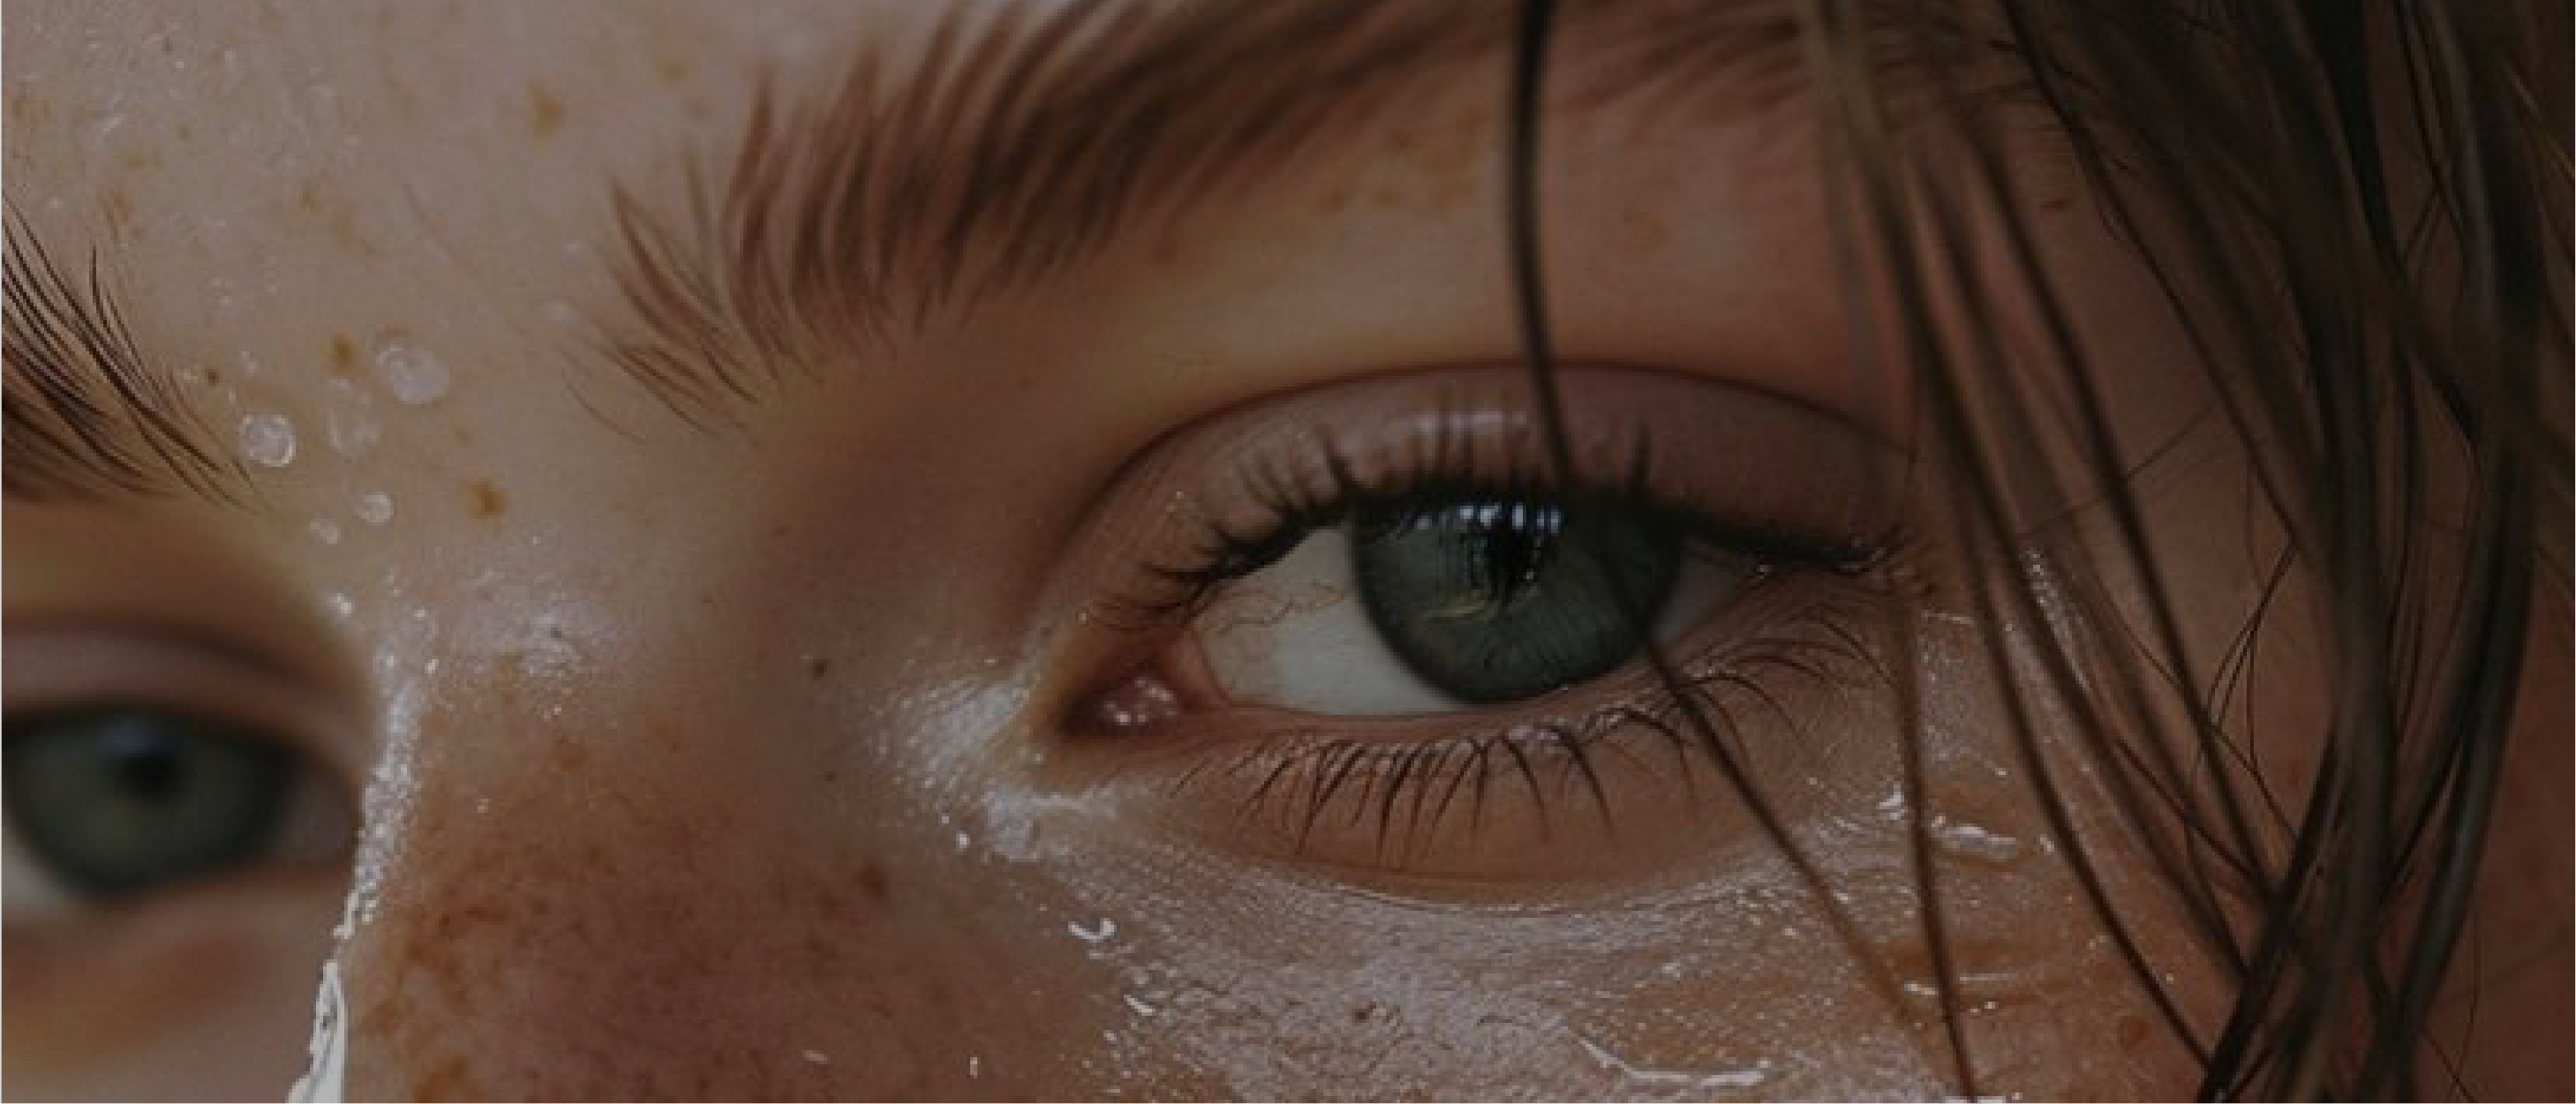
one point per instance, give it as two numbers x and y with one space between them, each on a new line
1401 801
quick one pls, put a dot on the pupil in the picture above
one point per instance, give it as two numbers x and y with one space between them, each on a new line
1513 543
153 772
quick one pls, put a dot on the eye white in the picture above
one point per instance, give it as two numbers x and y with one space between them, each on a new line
1296 634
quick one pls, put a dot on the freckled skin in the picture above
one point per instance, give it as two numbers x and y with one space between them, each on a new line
719 752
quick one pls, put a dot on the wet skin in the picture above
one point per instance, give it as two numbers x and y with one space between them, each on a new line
798 742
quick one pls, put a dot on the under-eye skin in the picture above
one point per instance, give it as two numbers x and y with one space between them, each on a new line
1373 632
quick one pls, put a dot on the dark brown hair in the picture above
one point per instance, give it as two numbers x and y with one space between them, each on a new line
2355 211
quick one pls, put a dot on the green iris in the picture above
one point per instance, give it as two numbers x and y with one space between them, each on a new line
1497 599
120 801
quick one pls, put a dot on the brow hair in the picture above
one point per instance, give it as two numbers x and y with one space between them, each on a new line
89 415
1016 143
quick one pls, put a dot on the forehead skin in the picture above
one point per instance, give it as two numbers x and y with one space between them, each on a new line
708 748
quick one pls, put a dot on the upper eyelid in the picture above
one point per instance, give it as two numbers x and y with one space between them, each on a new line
1306 445
56 664
1154 507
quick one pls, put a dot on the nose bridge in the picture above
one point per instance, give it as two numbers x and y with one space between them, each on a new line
593 910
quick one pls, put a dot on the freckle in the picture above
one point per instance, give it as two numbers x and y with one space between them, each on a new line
545 112
29 110
570 756
445 1081
118 209
872 882
817 666
344 355
485 499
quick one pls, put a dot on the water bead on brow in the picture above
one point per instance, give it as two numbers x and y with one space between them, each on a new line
414 376
268 440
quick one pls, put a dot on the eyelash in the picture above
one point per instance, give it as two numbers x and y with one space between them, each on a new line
1294 504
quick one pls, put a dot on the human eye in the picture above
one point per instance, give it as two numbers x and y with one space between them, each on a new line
143 768
1376 632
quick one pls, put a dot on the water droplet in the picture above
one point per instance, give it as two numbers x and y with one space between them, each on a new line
324 529
412 375
964 841
326 1053
974 1065
375 507
817 1057
1094 934
1971 841
341 607
268 440
347 421
1743 1078
1136 1005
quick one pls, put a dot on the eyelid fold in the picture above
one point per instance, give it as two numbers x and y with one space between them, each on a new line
56 665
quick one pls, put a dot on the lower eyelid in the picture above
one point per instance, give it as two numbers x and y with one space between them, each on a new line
1584 784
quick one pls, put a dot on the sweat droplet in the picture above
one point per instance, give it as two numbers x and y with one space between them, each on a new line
412 375
1103 930
375 507
268 440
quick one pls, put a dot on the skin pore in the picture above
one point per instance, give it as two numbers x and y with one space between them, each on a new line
788 723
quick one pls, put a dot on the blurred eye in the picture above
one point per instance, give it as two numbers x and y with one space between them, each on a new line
1426 604
119 801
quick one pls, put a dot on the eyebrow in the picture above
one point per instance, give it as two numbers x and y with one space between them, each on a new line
89 416
1018 142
